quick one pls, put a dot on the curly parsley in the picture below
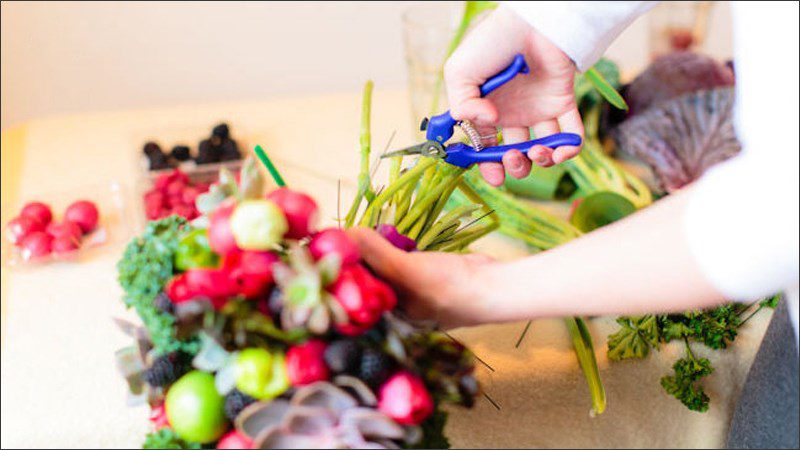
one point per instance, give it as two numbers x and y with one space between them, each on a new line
166 438
715 328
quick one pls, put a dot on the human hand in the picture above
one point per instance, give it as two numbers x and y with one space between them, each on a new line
445 287
543 99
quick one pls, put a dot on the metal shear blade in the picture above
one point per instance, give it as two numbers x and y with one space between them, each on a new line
428 148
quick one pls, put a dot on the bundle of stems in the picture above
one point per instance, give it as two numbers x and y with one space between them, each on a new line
414 199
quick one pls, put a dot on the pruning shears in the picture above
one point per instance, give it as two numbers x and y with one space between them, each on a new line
439 129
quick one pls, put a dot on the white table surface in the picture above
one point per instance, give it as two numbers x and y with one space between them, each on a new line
59 384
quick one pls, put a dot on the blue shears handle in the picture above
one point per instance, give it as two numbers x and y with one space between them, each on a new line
440 128
463 155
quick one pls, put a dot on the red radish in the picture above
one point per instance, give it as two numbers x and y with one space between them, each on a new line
39 211
234 440
84 213
158 416
405 399
212 283
363 297
305 363
300 210
251 271
178 290
20 227
334 240
220 234
36 244
65 229
65 244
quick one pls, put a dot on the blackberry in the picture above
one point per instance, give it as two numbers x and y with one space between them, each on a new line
229 150
151 148
166 369
164 304
180 153
343 356
375 367
235 402
275 301
158 161
207 152
221 131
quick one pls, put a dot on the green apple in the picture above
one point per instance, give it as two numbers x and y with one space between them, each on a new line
195 410
261 374
258 224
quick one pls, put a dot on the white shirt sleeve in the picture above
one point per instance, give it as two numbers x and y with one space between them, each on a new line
742 220
582 30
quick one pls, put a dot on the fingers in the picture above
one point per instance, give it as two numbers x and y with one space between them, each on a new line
379 254
569 122
478 110
493 173
515 162
541 155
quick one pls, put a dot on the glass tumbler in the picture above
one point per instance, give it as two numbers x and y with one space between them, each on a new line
427 32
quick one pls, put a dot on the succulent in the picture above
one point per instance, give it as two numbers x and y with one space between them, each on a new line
324 415
301 284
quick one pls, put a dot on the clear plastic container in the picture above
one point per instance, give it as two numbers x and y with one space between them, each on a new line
113 204
167 138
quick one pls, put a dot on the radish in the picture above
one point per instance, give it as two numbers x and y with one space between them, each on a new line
65 244
35 245
20 227
333 240
68 229
39 211
401 241
84 213
300 210
220 235
251 271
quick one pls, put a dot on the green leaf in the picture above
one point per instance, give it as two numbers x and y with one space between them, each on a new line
166 438
684 385
600 209
605 89
634 339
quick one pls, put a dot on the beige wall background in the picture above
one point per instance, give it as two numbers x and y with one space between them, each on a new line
68 57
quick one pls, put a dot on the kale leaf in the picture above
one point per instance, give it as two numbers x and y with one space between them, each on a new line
166 438
145 267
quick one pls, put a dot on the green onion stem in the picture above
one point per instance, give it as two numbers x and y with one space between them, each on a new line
422 165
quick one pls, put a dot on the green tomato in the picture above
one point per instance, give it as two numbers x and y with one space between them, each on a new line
261 374
258 224
194 251
195 410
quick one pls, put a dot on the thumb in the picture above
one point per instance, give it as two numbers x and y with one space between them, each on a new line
379 254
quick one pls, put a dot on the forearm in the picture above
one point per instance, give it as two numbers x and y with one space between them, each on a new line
641 264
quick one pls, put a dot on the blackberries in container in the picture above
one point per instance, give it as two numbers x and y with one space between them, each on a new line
180 153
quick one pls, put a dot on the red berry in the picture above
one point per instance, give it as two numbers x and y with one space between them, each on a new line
68 229
175 188
334 240
234 440
36 244
39 211
305 363
185 211
158 416
84 213
300 210
405 399
65 244
189 195
162 181
220 234
20 227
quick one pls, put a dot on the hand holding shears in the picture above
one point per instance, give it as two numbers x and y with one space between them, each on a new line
439 129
